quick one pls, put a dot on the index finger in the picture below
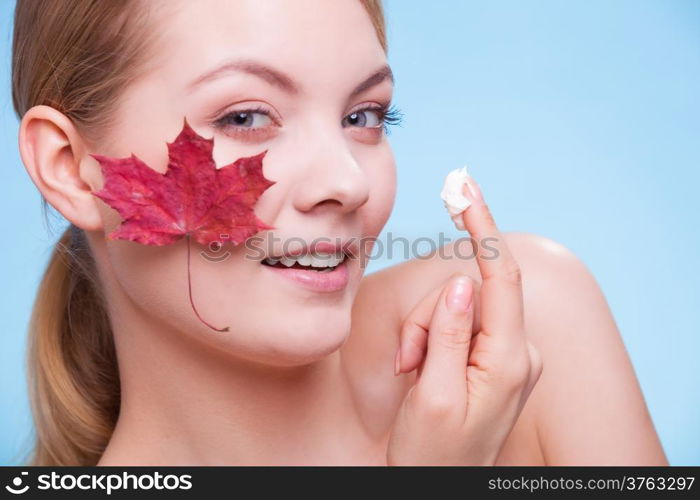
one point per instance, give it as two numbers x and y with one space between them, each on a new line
501 288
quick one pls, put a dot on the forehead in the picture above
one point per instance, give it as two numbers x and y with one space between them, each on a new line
320 39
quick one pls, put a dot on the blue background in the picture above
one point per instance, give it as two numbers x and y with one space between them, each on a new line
581 122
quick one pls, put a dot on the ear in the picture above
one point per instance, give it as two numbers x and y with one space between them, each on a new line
56 159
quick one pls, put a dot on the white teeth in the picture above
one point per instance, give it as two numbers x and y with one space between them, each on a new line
304 260
317 260
287 261
321 260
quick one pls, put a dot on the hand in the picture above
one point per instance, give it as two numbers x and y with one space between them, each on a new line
476 368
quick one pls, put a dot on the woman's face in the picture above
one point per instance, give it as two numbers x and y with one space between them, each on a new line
297 64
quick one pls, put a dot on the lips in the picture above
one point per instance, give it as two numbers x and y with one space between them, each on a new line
319 266
333 280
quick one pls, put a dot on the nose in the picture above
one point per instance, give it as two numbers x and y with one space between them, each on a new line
331 177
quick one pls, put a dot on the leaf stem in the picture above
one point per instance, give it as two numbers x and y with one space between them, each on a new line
189 286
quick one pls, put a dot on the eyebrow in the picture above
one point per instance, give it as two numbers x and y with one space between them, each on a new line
281 80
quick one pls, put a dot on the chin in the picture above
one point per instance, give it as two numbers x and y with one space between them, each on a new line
297 338
310 338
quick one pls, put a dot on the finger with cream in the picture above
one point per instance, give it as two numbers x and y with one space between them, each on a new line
452 195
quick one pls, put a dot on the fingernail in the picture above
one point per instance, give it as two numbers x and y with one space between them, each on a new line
397 361
459 296
474 193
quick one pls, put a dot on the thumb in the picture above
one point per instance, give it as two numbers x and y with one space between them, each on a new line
444 374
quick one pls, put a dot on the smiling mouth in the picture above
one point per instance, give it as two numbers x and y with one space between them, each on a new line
320 263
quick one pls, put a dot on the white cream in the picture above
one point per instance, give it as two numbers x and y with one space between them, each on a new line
453 196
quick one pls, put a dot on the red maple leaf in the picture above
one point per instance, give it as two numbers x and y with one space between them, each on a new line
192 199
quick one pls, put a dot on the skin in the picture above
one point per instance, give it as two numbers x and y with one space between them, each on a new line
304 377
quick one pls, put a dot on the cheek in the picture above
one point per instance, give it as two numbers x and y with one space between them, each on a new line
264 319
154 279
149 278
382 179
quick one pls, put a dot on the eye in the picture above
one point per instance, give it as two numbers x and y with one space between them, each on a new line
250 124
374 117
369 117
245 119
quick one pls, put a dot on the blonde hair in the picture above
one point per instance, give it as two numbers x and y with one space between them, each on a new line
78 56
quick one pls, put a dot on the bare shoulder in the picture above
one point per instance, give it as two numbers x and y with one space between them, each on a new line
386 297
587 407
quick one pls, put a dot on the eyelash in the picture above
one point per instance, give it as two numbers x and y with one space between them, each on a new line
389 115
